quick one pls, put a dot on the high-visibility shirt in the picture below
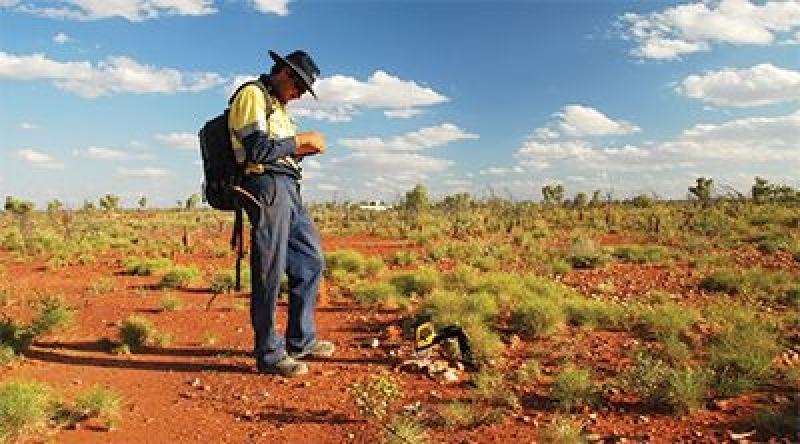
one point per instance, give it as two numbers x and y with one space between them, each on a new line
262 133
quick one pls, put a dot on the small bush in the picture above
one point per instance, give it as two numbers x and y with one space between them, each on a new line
573 388
146 267
563 430
179 277
463 415
373 293
584 254
421 282
100 286
538 317
25 407
170 302
665 388
53 314
136 332
640 254
741 358
405 430
668 319
225 282
98 402
345 260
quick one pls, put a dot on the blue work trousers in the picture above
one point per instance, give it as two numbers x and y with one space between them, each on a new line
283 239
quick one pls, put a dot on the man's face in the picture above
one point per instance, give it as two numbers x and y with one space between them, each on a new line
290 86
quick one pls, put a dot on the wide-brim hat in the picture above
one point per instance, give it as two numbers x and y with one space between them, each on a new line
302 64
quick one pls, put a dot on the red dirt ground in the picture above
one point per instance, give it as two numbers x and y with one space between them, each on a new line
191 392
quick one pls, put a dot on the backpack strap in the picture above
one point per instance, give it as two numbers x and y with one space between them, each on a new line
237 234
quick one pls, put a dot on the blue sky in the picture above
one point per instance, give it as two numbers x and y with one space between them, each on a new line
485 97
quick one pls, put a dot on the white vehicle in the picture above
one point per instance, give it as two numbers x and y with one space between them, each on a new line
374 205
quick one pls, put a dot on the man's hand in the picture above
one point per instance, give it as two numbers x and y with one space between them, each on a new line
310 142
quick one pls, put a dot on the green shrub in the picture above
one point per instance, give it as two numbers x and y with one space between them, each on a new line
136 332
405 430
665 388
562 430
420 283
403 258
344 260
584 254
179 277
491 386
170 302
573 388
464 415
485 343
595 313
538 316
668 319
373 293
640 254
741 358
450 307
53 314
99 402
25 407
146 267
100 286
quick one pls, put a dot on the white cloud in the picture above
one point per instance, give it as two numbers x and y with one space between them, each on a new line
94 152
693 27
115 75
340 97
414 141
582 121
185 141
278 7
61 38
763 84
132 10
732 152
38 160
27 126
405 113
579 121
751 140
149 172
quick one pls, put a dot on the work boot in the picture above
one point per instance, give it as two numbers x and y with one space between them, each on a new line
319 349
286 367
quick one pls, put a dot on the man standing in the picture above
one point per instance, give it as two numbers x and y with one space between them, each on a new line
283 236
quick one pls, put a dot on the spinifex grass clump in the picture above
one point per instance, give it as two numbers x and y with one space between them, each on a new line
25 407
179 277
417 283
741 358
376 397
135 333
377 293
97 402
583 253
345 260
640 254
573 388
146 267
662 387
752 285
53 314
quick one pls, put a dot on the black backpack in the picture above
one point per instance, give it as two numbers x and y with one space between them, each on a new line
222 174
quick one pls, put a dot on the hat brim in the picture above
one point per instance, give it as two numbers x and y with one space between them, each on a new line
306 81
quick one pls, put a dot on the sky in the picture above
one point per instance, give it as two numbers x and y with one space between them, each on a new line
489 97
